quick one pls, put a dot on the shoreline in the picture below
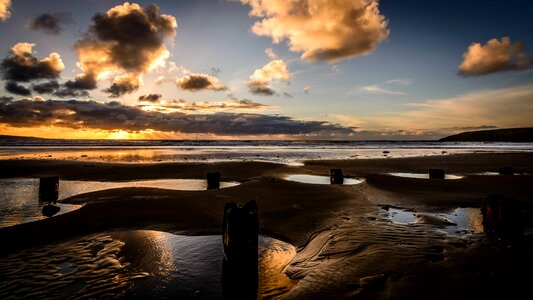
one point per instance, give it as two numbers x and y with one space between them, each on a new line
340 231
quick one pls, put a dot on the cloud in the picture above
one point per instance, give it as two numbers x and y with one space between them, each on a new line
270 53
78 114
150 97
4 9
307 90
62 91
197 82
379 89
50 23
123 44
502 108
160 80
15 88
206 106
376 89
321 30
495 56
46 87
21 66
261 80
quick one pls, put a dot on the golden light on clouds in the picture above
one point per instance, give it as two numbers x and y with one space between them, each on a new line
495 56
4 9
321 30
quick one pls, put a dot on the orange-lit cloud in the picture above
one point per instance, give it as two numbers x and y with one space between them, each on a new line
123 44
197 82
495 56
4 9
22 66
261 80
503 108
206 106
113 116
321 30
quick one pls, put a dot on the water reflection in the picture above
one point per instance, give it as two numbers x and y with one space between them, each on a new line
137 264
422 176
314 179
463 220
19 197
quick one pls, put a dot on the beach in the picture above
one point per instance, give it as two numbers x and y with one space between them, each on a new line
348 245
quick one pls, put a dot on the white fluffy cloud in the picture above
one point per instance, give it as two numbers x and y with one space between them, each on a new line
4 9
321 29
261 80
495 56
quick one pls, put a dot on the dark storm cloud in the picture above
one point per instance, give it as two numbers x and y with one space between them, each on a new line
113 116
50 23
197 82
6 98
126 41
54 88
17 89
46 87
150 97
21 66
82 82
233 104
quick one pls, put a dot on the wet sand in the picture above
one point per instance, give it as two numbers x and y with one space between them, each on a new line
347 246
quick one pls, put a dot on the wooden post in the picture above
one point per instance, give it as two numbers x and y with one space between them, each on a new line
213 180
436 174
49 189
500 215
336 176
240 233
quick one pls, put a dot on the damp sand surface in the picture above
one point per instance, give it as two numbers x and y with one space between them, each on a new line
346 244
136 264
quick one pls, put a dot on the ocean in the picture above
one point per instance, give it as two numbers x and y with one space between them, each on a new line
285 152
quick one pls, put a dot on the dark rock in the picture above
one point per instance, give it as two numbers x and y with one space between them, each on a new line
336 176
213 180
386 152
49 210
49 189
240 232
506 171
500 215
436 174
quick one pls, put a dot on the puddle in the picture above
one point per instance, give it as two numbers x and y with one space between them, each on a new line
314 179
401 216
423 176
497 174
19 197
137 264
463 220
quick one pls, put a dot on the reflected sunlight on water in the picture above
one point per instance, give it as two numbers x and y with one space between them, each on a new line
19 197
423 176
137 264
314 179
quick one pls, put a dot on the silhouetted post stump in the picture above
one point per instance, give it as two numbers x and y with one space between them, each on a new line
49 189
336 176
240 232
436 174
213 180
506 171
500 215
50 210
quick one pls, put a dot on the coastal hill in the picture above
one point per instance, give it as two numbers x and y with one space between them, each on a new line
513 135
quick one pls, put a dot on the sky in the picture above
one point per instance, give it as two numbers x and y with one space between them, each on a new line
260 69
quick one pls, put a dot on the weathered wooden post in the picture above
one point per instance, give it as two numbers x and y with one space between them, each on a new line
500 215
506 171
436 174
336 176
213 180
49 189
49 210
240 233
